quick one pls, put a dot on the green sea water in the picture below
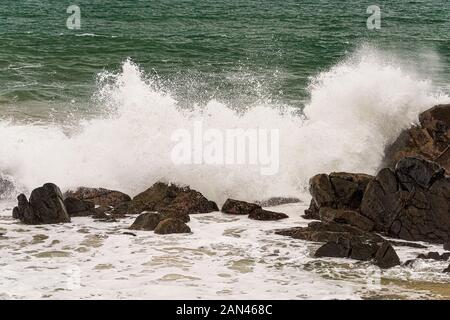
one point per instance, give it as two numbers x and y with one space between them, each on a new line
236 51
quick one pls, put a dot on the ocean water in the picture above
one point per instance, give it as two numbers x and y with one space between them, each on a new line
98 106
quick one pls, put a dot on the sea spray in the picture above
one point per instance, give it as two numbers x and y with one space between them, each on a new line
355 108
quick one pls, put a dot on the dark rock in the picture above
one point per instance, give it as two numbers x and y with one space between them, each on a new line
386 257
99 196
348 248
447 246
78 208
277 201
350 217
338 190
329 232
335 249
172 198
171 212
265 215
411 202
45 206
238 207
434 256
130 234
146 221
429 140
172 225
312 212
447 270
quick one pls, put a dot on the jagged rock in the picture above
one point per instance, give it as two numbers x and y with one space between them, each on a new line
46 206
329 232
347 217
265 215
172 225
386 257
79 208
429 140
99 196
434 256
411 202
338 190
277 201
171 212
447 270
348 248
146 221
164 197
238 207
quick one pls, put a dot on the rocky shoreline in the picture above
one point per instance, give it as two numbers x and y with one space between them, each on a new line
408 199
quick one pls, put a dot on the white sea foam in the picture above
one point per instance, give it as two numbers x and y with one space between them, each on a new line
355 108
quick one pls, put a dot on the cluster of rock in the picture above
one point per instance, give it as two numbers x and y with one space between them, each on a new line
408 199
429 140
410 202
253 210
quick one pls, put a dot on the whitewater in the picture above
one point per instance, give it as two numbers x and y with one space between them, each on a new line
355 108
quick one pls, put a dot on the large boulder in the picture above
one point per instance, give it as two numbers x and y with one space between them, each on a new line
79 208
411 202
172 225
253 210
318 231
386 257
99 196
350 217
46 206
348 248
338 190
429 140
146 221
266 215
238 207
170 198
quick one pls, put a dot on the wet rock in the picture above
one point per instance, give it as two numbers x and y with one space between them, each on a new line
171 198
79 208
172 225
434 256
265 215
238 207
386 257
277 201
45 206
146 221
329 232
350 217
411 202
429 140
447 246
338 190
99 196
348 248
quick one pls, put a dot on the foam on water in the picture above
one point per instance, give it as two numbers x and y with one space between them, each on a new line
355 108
